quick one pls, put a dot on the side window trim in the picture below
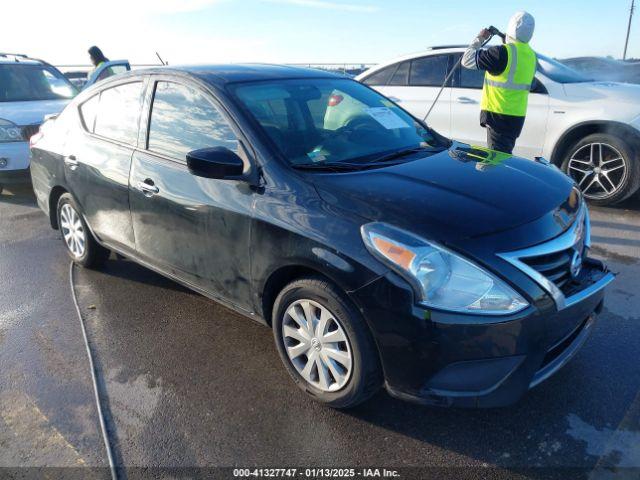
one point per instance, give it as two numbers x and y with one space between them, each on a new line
407 77
82 118
395 70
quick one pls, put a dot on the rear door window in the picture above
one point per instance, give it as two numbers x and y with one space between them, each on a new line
184 119
429 71
381 77
471 78
118 113
401 76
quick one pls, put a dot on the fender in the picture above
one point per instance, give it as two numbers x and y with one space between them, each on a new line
583 129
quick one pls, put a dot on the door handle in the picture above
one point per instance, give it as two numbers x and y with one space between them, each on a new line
71 161
148 187
466 100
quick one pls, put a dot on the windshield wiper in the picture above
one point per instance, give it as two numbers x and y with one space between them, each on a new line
404 153
386 160
337 166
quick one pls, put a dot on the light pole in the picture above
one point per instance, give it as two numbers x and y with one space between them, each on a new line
626 42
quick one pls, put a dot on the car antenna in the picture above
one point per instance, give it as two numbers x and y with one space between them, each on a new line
161 60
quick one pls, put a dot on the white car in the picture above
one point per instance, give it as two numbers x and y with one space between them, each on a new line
31 91
589 129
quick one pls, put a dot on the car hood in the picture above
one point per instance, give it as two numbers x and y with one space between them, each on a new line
464 192
625 92
30 113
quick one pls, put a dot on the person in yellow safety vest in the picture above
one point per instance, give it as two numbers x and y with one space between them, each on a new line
510 69
97 58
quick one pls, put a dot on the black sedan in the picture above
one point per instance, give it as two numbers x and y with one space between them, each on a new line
379 252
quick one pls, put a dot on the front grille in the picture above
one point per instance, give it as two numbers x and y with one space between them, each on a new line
29 131
550 263
556 266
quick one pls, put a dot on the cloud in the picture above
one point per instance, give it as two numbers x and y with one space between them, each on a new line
347 7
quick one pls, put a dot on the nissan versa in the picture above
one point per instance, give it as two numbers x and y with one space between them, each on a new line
379 252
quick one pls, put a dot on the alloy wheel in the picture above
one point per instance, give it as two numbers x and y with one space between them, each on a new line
317 345
599 169
73 231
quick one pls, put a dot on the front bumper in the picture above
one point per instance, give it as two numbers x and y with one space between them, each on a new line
449 359
14 167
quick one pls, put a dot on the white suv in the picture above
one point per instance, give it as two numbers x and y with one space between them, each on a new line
589 129
30 90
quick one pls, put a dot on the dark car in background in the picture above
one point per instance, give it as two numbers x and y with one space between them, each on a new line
379 252
606 69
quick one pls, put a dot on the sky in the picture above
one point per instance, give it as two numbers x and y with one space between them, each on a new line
298 31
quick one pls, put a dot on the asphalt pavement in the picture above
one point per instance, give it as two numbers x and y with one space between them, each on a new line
188 383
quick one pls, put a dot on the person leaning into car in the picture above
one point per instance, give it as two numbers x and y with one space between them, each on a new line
510 69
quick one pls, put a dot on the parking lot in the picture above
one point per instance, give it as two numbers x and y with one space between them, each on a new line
189 383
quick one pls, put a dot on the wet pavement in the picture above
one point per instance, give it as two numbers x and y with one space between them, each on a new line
190 383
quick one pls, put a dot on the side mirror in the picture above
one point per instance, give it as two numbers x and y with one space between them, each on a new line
215 162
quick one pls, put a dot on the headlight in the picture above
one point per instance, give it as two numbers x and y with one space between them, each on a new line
441 279
9 132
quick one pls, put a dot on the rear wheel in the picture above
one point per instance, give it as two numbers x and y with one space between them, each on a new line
605 167
325 344
80 244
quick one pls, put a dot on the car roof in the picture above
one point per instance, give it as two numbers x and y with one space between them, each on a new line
19 58
220 75
436 50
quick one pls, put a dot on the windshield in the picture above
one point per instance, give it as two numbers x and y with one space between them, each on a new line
558 72
327 121
20 82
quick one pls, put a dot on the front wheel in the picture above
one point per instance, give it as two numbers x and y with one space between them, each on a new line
81 246
325 344
605 167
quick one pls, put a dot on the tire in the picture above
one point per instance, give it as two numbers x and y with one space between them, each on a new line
1 189
78 240
582 162
357 383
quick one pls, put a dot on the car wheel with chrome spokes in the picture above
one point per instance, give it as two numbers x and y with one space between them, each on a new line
325 344
604 167
81 246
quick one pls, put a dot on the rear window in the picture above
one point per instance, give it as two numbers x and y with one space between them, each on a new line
20 83
118 112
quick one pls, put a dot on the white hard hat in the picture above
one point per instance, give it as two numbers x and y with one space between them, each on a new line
521 26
